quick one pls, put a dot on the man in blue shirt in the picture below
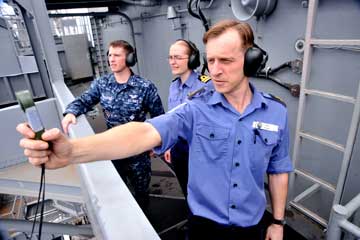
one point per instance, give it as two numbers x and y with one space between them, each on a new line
124 97
184 57
236 134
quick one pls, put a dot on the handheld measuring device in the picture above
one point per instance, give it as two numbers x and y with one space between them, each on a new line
33 117
27 104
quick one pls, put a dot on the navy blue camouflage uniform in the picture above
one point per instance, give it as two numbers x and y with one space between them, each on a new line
122 103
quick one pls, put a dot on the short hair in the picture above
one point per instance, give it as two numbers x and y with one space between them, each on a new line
186 44
244 29
122 44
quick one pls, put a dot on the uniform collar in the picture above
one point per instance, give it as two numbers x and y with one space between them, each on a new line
190 81
257 101
132 81
111 77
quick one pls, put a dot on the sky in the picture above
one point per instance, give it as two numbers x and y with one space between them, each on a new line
6 9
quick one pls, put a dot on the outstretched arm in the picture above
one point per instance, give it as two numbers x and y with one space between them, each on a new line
119 142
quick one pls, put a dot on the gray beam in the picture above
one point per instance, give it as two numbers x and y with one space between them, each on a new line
46 38
353 205
53 191
3 23
351 228
17 225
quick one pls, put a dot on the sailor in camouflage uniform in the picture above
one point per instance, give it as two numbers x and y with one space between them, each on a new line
184 57
124 97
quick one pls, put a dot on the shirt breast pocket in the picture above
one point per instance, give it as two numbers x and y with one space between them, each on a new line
211 142
174 100
264 143
106 98
106 101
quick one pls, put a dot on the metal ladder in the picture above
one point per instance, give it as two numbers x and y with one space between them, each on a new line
100 50
295 201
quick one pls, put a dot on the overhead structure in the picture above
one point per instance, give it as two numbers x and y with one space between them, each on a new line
66 4
244 10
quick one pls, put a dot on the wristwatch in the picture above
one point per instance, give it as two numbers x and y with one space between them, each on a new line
281 222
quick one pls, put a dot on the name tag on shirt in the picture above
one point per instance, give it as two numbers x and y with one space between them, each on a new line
265 126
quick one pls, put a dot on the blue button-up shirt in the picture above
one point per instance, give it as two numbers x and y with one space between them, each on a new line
178 91
121 103
228 155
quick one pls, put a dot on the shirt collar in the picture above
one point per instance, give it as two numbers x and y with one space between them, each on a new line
190 81
257 101
111 77
132 81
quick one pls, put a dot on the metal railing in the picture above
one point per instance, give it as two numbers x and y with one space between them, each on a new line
339 220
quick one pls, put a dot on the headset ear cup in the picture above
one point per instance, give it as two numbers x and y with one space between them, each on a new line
107 57
254 61
194 61
194 58
131 59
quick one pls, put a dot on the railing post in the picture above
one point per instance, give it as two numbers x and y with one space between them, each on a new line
339 214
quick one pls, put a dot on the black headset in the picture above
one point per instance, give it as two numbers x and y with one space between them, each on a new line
131 58
194 58
255 60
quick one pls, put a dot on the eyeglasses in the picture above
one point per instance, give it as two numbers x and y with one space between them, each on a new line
176 58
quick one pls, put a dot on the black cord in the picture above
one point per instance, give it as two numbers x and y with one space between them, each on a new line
284 85
203 18
43 200
42 189
278 68
191 11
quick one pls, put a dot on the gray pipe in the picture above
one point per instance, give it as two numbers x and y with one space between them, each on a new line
144 3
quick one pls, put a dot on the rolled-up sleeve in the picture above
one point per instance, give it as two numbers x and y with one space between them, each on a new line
172 125
280 161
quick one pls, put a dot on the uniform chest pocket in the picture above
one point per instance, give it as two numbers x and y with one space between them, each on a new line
263 143
175 100
106 101
212 142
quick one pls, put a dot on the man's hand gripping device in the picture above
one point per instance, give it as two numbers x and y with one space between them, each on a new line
28 106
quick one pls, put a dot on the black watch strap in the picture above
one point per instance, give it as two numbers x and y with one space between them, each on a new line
281 222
